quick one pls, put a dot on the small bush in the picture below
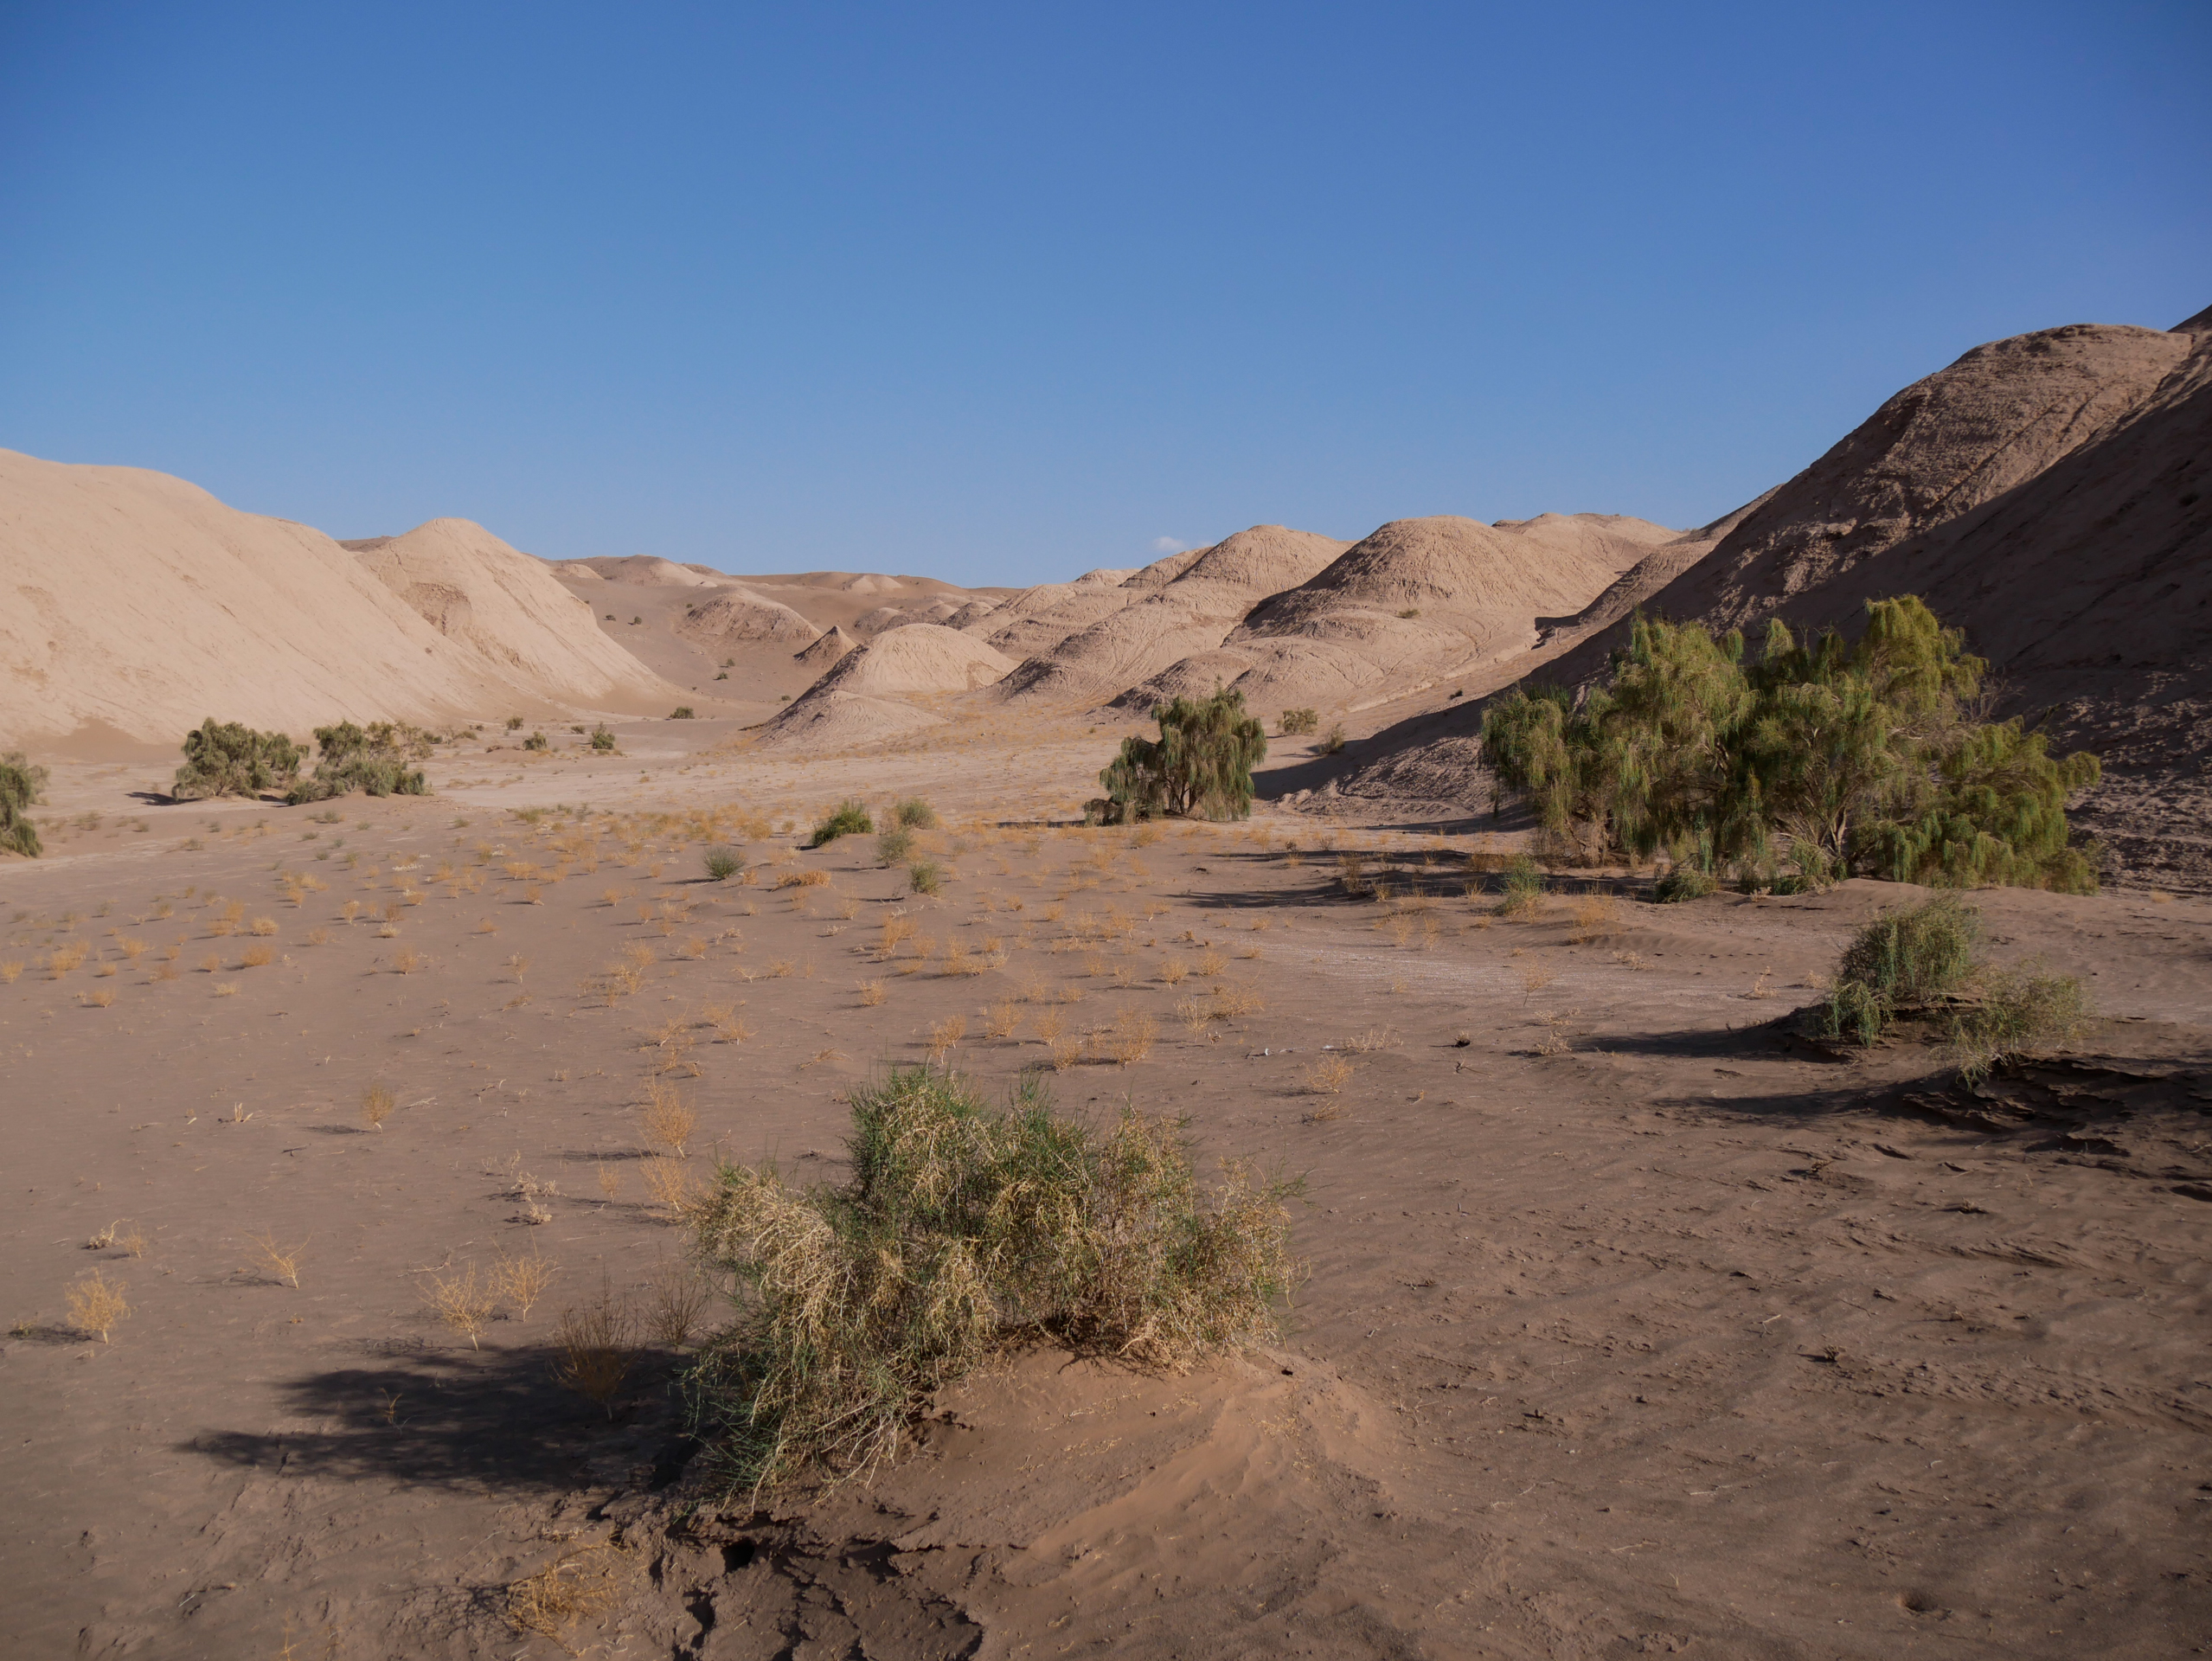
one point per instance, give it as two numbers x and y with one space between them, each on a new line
513 723
893 847
848 819
961 1230
537 742
602 738
229 759
1333 742
682 712
373 760
1910 959
21 786
1295 721
1683 881
914 814
97 1304
925 876
1524 886
2018 1014
722 863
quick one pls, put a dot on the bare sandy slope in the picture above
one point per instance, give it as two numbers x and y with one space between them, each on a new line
139 604
1193 611
744 647
1421 601
2048 494
1680 1340
887 687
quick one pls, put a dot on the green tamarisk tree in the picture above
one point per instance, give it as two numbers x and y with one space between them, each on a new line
1835 758
231 759
1200 767
22 785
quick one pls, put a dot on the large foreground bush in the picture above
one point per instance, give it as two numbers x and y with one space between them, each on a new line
374 759
964 1228
22 784
1830 758
231 759
1199 767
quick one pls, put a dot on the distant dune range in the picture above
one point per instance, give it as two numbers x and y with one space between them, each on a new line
138 603
2045 492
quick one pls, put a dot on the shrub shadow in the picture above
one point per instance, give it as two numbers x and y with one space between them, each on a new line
491 1421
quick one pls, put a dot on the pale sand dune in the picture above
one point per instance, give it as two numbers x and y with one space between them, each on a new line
1192 613
827 649
859 700
1032 622
140 605
1420 600
639 570
737 617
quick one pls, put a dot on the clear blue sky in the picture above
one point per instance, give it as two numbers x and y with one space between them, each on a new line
1002 293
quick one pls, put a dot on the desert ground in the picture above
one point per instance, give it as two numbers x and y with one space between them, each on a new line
1635 1323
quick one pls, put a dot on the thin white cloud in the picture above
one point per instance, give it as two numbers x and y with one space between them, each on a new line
1168 545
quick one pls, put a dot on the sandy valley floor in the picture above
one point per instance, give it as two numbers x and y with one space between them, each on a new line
1635 1325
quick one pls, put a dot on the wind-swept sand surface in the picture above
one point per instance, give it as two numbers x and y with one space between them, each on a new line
1634 1325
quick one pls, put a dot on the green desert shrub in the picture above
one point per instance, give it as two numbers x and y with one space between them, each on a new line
1683 880
1912 960
1333 740
537 742
2017 1012
1923 961
21 786
230 760
513 723
893 845
1199 768
1524 885
848 819
602 738
963 1230
373 759
722 863
682 712
1295 721
914 814
925 876
1832 759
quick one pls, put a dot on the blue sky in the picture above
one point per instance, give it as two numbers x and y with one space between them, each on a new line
1000 293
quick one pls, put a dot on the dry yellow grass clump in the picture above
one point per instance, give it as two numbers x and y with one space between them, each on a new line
97 1304
281 1260
376 1103
669 1121
461 1302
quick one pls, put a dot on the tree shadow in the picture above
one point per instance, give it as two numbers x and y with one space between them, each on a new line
492 1419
